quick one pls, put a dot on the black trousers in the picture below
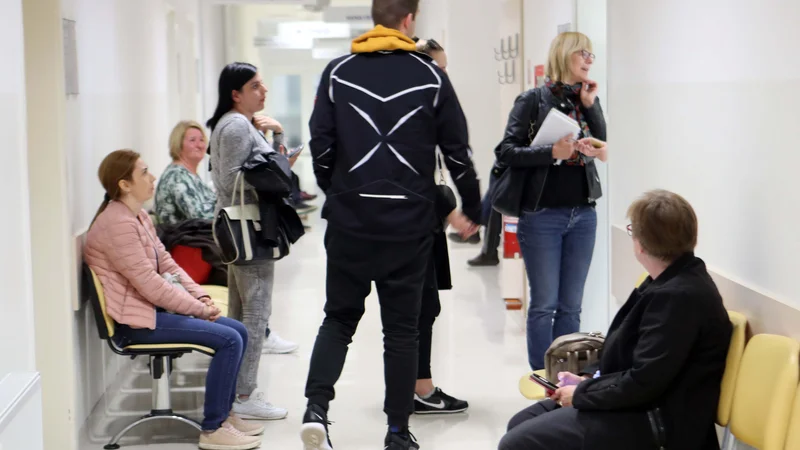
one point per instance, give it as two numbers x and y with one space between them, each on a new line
491 238
492 220
431 307
544 426
398 270
296 197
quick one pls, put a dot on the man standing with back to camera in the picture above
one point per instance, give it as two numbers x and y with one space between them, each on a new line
379 115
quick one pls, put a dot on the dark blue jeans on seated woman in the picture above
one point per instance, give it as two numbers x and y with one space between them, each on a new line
557 246
226 336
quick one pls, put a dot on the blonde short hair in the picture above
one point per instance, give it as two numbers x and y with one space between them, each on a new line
177 135
561 50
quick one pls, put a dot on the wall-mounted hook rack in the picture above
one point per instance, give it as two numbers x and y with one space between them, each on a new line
508 77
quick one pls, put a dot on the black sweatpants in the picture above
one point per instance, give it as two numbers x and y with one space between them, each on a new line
544 426
398 269
431 307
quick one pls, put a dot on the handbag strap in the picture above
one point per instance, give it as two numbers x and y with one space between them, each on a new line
248 247
441 168
536 98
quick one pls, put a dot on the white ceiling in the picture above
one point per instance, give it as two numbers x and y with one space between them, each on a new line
294 2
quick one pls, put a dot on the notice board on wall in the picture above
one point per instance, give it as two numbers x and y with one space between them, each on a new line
70 57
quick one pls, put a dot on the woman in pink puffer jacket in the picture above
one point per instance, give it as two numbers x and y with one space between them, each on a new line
154 301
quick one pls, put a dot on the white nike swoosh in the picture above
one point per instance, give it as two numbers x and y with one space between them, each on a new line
439 405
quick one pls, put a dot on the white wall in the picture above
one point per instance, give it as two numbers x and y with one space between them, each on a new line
598 306
212 48
52 267
469 40
140 65
541 20
21 412
15 259
134 87
704 103
212 51
20 388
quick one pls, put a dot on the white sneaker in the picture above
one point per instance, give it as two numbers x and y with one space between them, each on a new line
257 408
277 346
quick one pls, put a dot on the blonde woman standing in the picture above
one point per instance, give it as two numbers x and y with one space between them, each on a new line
558 222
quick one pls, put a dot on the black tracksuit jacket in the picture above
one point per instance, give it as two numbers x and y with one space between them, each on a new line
377 121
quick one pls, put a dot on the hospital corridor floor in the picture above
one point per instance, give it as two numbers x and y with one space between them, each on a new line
478 355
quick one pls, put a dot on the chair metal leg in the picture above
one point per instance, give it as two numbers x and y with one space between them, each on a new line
728 440
113 444
160 369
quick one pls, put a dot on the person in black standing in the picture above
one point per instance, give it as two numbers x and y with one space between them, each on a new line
493 223
428 398
380 112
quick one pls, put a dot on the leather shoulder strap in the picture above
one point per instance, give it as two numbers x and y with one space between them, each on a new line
534 99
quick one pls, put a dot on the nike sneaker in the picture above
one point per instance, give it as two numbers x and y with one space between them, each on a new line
439 403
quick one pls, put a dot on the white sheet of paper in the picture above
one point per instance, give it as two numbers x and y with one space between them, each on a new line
555 126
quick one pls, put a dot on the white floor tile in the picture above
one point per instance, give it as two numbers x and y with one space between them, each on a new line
478 355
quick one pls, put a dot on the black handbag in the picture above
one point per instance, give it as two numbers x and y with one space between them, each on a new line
506 196
445 197
509 189
237 232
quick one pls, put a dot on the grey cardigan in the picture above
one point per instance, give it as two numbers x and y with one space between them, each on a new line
232 141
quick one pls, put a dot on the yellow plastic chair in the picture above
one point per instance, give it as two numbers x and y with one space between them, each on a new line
735 352
531 389
793 438
161 357
641 279
765 391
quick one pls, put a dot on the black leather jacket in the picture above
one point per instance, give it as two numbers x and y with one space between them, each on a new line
515 150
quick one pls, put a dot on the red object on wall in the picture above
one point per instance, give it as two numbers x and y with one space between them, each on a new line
510 242
191 260
539 74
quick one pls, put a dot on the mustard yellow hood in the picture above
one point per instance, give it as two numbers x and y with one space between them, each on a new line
381 38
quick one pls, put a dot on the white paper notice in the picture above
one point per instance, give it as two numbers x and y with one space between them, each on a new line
555 126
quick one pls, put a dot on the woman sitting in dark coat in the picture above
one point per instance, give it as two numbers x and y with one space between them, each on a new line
659 376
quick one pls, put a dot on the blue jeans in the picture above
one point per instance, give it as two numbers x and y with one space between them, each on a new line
226 336
557 246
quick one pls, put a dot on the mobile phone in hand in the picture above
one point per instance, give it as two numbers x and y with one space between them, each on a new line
548 385
291 153
596 143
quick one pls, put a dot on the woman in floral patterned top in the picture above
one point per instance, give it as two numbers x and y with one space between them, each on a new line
181 194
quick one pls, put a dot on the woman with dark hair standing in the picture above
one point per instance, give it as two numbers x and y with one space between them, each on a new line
233 138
